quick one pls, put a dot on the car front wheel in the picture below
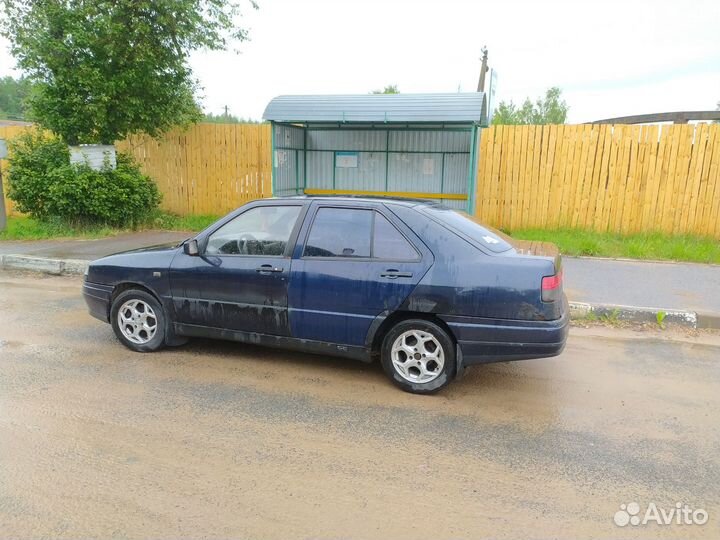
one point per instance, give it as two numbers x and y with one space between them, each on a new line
138 321
418 356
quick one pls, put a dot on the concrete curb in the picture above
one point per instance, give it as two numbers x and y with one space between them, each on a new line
688 319
578 310
41 264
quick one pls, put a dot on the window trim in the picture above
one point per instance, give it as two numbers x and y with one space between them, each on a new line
371 258
289 246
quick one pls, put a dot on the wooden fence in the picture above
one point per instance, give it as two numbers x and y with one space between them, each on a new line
8 132
603 177
615 178
208 169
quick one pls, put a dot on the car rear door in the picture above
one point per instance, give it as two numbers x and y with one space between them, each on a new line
240 279
352 263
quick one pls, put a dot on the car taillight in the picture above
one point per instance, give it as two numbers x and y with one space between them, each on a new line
551 287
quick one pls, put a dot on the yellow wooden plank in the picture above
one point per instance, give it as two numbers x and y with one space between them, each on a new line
529 188
648 178
626 216
587 176
401 194
581 176
553 135
521 136
669 167
714 176
559 175
712 184
534 201
690 216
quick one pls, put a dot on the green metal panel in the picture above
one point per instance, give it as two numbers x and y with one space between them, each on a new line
272 158
472 172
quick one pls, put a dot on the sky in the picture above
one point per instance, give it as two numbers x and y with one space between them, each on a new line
610 58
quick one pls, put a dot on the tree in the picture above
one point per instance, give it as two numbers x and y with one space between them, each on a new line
227 119
389 89
551 109
104 69
12 97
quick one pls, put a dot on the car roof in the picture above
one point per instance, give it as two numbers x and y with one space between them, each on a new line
360 198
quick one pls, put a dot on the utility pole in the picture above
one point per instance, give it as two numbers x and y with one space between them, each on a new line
483 70
226 111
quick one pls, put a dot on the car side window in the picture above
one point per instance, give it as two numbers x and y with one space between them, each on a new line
340 232
263 230
389 243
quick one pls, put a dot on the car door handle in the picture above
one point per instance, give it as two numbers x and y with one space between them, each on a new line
268 268
394 274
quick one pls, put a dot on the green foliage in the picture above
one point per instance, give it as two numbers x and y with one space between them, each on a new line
611 317
36 161
44 184
660 316
389 89
227 119
105 69
12 97
551 109
650 245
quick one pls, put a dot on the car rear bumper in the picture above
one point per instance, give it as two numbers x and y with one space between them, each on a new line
483 341
97 297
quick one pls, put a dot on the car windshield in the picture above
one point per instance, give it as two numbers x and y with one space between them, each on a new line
470 227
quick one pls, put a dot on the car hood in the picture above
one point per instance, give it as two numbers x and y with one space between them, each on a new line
169 246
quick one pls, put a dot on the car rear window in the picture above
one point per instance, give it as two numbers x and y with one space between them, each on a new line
470 227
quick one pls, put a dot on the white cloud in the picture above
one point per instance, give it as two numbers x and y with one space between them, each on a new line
611 58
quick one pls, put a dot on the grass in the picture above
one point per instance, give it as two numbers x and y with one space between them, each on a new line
653 246
26 228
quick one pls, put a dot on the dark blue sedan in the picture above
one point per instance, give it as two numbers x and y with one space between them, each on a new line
426 289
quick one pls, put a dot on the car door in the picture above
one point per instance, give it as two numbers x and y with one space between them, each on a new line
239 280
354 263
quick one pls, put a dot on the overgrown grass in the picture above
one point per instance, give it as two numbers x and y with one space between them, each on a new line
26 228
656 246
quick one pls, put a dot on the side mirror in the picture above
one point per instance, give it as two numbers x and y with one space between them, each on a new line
191 248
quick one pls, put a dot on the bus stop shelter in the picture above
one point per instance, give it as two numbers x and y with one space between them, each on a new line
401 145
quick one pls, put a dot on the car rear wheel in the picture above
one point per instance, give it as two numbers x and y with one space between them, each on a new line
138 321
418 356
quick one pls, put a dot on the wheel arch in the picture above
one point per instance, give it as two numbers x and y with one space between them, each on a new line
127 286
383 327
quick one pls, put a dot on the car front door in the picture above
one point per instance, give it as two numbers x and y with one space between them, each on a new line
353 264
239 281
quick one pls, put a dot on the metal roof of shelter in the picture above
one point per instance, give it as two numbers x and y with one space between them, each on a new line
456 108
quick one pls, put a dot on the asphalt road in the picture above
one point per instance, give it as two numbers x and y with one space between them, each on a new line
218 440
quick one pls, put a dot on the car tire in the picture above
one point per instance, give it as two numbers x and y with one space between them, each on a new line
418 356
138 320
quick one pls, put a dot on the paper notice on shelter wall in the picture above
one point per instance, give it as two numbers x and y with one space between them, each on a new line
280 158
428 166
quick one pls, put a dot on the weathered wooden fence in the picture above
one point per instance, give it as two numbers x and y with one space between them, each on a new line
602 177
208 169
8 132
607 178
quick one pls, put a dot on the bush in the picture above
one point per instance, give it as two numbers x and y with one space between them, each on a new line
44 184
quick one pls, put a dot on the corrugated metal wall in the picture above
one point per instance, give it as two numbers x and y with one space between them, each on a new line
288 160
388 160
